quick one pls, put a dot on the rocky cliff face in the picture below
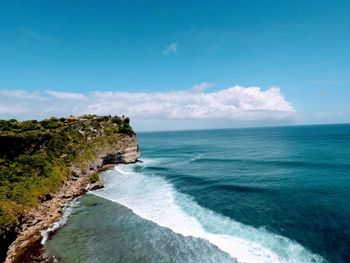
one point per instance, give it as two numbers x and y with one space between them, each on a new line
26 247
127 152
86 145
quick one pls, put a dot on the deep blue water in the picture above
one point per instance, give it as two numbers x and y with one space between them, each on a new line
258 195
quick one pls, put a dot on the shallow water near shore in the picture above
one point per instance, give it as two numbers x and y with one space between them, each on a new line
255 195
99 230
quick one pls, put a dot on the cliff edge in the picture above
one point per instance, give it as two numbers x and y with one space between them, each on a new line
43 165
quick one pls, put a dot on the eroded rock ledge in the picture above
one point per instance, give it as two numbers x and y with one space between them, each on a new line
27 244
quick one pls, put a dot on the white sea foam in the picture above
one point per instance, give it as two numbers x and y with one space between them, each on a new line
198 156
154 199
67 211
119 170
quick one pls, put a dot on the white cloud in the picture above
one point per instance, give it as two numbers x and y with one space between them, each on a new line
198 88
171 48
19 94
234 103
66 95
330 114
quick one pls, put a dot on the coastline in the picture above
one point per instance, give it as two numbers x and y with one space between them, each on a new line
43 217
27 246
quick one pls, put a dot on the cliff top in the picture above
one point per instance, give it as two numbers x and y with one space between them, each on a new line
35 157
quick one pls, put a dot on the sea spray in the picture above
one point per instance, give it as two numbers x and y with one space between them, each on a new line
154 199
67 211
102 231
274 194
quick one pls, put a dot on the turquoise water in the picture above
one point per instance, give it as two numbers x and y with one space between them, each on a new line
251 195
102 231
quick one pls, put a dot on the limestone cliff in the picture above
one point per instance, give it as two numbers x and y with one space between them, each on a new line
45 164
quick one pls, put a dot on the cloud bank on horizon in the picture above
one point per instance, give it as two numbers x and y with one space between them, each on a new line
233 103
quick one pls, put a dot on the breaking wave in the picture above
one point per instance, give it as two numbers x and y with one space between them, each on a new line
155 199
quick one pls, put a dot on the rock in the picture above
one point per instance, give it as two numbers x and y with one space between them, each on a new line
50 209
46 197
129 153
95 186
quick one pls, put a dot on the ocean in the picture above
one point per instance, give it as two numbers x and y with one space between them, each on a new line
277 194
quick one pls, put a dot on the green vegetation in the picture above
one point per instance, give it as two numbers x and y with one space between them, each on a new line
94 178
35 156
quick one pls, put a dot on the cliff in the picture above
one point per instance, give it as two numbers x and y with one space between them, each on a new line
45 164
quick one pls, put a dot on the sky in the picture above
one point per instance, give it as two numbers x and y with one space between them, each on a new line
177 64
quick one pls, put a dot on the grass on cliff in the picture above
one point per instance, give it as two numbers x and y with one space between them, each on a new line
35 155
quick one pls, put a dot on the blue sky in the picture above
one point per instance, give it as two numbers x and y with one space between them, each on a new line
80 47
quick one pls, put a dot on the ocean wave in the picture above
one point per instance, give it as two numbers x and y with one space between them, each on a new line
287 164
238 188
197 157
154 199
121 171
67 211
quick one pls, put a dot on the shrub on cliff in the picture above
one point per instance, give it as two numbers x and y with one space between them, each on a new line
34 156
51 123
124 127
117 120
